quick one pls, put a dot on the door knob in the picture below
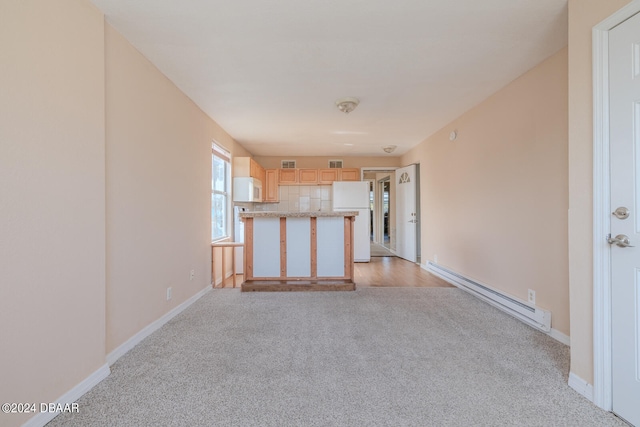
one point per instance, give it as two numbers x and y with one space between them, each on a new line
620 240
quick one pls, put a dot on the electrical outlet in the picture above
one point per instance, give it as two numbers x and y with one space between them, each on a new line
531 296
169 293
192 274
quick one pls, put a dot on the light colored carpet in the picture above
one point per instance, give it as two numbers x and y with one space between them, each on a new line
373 357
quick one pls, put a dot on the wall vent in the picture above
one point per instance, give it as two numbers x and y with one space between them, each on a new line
287 164
335 164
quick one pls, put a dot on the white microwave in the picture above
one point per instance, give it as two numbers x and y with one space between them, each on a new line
247 189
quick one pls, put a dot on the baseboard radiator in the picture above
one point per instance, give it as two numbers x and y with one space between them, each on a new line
532 315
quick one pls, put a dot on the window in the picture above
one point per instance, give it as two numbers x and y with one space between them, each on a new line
220 203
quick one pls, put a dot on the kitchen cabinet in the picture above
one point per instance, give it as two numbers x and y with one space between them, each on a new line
308 176
256 170
247 167
351 174
287 176
271 193
328 176
316 176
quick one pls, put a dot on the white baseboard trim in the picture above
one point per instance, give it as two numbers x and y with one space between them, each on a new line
559 336
581 386
151 328
71 396
553 333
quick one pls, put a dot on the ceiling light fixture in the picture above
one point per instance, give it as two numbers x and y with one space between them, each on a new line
389 148
347 105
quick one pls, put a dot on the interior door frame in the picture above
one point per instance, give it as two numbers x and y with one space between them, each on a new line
372 220
376 200
602 357
380 210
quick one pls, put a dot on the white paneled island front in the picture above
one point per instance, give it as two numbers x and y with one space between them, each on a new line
289 251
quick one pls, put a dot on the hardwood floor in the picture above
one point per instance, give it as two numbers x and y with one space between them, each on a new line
386 272
379 250
395 272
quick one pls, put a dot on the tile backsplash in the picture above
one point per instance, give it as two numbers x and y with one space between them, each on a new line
300 198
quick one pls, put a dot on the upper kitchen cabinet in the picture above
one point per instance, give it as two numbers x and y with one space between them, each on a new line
308 176
256 170
287 176
271 193
316 176
247 167
328 176
350 174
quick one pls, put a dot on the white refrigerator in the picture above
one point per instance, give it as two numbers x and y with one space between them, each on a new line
354 196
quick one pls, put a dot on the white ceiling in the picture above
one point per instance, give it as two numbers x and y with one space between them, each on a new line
269 72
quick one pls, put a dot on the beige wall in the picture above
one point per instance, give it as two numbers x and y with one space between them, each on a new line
494 201
323 162
105 171
52 199
158 192
583 16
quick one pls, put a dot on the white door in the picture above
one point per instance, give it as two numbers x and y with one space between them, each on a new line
624 83
406 213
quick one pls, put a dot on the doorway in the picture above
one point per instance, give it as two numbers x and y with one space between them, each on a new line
382 207
385 193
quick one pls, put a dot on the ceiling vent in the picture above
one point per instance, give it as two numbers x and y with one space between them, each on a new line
287 164
335 164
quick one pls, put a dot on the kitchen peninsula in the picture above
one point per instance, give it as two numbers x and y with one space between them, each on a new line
298 251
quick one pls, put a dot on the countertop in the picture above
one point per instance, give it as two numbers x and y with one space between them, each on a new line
266 214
